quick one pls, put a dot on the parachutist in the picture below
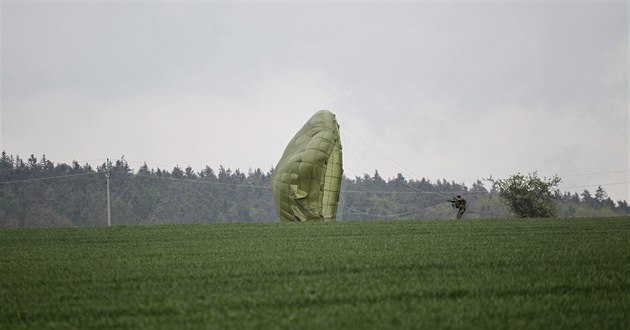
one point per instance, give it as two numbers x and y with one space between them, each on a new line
460 204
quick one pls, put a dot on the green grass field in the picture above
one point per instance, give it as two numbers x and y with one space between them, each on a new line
510 274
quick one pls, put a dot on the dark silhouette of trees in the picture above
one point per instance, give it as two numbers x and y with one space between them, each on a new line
39 192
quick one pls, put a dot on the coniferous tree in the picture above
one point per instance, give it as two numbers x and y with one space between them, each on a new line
177 173
189 173
600 196
588 199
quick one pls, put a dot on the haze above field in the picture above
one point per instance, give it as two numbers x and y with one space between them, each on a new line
457 90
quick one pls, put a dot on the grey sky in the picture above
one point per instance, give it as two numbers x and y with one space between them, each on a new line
458 90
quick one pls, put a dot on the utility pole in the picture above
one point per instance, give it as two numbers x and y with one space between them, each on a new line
108 173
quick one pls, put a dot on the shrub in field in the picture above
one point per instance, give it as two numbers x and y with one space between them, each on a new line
529 196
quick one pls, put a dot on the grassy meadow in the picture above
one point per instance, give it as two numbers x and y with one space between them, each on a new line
477 274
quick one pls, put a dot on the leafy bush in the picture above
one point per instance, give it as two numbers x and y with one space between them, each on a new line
529 196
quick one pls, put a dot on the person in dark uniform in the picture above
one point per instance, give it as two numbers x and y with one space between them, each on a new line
460 204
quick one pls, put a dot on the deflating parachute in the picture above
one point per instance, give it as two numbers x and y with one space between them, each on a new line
307 179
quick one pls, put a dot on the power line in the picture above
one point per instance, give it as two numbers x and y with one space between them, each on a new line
598 184
49 178
415 190
593 173
211 182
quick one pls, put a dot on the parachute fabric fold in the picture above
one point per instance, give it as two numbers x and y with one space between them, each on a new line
307 179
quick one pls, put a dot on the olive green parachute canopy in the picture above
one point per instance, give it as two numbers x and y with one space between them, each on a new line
307 179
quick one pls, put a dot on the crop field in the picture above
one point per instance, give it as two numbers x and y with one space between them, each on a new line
499 274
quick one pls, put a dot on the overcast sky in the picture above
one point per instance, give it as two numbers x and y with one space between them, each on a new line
458 90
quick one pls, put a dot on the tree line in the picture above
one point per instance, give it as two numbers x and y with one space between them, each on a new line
39 192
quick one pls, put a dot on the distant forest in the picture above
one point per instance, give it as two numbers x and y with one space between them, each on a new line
39 192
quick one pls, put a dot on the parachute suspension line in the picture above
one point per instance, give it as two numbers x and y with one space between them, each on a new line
389 215
375 156
416 191
425 192
358 155
359 161
361 143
